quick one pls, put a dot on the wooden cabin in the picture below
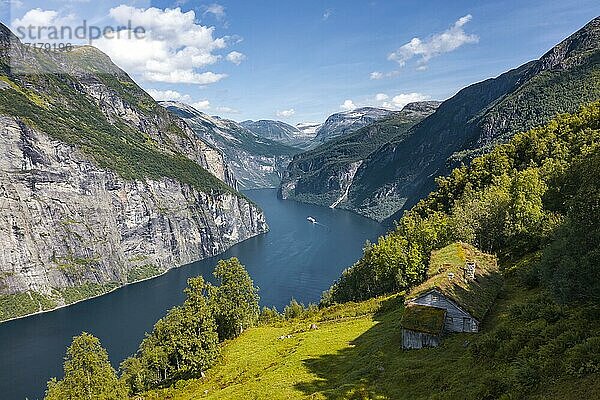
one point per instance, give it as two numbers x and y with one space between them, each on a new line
462 284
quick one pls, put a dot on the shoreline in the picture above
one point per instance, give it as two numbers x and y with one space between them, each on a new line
125 285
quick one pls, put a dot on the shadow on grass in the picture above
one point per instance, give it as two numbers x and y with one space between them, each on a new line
374 366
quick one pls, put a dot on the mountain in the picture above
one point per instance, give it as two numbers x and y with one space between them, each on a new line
99 185
256 161
308 129
279 132
324 174
479 116
348 121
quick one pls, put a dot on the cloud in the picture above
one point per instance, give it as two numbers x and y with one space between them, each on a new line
328 13
226 110
173 49
39 18
286 113
168 95
402 99
215 9
380 75
236 57
348 105
437 44
201 105
381 97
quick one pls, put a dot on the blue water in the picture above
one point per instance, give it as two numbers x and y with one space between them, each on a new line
295 259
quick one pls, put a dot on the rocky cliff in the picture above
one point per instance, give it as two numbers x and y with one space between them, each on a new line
325 174
99 185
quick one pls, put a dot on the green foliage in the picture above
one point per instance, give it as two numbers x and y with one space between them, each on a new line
182 344
20 304
541 341
84 291
185 343
570 265
509 201
87 374
296 310
141 272
235 300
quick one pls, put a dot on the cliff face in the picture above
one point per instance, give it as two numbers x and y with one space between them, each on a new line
325 174
100 186
256 161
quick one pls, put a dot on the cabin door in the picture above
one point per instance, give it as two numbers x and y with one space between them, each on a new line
467 325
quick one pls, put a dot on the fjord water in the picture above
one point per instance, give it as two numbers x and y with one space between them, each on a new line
295 259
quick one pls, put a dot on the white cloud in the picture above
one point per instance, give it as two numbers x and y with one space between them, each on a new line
402 99
45 19
201 105
348 105
439 43
381 97
215 9
376 75
168 95
174 48
226 110
286 113
236 57
328 13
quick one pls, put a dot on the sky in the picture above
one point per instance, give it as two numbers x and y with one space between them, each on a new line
300 61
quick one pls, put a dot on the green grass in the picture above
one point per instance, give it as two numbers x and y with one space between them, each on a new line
475 296
356 353
423 319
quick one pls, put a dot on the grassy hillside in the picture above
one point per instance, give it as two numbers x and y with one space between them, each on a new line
356 354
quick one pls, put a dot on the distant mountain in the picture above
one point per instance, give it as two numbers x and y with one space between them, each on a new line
401 172
324 174
308 129
279 131
256 161
349 121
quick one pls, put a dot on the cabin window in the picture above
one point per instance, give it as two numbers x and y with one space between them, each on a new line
435 297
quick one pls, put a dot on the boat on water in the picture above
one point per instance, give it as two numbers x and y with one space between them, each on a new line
311 220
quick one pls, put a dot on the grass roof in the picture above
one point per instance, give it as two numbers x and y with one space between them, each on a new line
423 319
474 296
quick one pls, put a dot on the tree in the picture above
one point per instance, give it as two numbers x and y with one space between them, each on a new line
235 300
182 345
88 374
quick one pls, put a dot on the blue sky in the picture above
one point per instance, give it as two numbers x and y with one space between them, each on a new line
300 61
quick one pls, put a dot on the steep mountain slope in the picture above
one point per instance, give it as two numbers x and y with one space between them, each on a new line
348 121
323 175
256 161
400 173
99 185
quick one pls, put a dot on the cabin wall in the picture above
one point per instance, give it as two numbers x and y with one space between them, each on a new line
456 320
418 340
